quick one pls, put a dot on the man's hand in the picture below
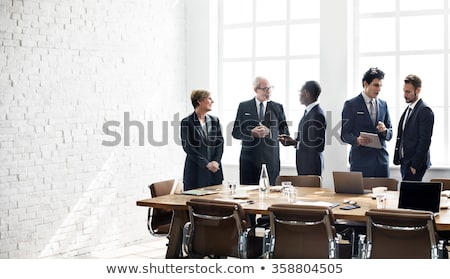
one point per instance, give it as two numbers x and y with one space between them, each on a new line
362 140
286 140
381 127
260 131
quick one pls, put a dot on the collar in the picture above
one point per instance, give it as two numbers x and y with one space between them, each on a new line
413 104
258 102
367 99
310 106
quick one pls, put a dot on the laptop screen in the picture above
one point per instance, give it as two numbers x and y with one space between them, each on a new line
420 195
348 182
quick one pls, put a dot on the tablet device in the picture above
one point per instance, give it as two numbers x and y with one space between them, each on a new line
374 140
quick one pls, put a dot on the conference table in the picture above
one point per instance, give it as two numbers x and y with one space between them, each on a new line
254 204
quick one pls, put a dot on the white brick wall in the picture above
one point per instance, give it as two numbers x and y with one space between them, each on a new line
67 67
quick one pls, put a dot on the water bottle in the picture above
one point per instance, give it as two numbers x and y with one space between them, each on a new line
264 182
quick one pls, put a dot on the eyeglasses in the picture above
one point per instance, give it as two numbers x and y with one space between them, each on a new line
374 71
265 89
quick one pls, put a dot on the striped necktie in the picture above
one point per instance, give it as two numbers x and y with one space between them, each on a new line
373 112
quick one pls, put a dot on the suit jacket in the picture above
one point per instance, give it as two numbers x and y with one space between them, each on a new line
311 138
256 151
201 149
371 162
416 137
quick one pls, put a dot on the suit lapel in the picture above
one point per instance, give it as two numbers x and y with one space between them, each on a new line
198 127
412 114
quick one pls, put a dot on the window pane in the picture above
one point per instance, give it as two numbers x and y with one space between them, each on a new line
270 41
270 10
237 83
369 35
432 77
421 32
410 5
369 6
304 39
275 72
232 146
300 71
237 43
305 9
237 11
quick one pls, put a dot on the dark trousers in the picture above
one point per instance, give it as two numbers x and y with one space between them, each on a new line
407 175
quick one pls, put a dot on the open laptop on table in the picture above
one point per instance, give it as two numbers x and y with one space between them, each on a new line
349 182
420 195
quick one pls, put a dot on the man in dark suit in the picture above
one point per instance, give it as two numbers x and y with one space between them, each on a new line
367 113
310 141
412 149
258 123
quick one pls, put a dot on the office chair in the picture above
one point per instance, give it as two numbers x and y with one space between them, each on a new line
445 182
159 220
219 229
371 182
300 232
301 180
400 234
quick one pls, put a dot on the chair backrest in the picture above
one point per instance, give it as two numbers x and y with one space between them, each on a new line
400 234
445 182
301 180
301 231
159 220
371 182
216 229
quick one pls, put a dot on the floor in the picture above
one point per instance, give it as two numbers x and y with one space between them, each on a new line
154 248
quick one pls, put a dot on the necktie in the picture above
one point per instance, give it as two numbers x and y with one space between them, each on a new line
373 112
261 111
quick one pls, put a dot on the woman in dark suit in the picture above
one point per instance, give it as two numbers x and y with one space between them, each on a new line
202 140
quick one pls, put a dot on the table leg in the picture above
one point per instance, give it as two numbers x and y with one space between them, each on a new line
180 217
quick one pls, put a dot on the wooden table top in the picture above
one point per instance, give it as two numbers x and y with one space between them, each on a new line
304 194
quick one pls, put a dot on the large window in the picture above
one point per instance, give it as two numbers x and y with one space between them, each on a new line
279 39
404 37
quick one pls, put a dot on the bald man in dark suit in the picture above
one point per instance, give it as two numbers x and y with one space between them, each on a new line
258 123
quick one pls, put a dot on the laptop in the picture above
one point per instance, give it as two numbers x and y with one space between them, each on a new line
420 195
349 182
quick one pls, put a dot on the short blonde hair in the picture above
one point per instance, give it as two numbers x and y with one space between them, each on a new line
198 95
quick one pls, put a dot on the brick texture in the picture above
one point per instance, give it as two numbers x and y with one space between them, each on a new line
66 69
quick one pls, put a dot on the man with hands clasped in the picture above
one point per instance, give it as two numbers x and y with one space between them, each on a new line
258 123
